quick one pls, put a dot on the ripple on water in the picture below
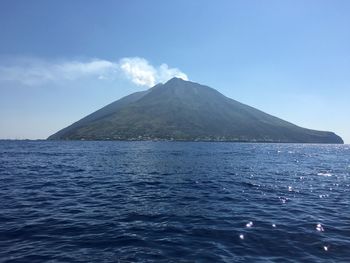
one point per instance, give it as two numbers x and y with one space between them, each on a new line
173 202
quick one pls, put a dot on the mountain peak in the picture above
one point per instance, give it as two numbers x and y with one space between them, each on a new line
176 80
173 82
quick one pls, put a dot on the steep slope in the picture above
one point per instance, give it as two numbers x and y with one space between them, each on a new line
183 110
99 114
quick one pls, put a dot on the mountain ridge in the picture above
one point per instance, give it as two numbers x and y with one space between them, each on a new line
187 111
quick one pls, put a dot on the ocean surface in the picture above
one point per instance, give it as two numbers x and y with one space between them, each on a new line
173 202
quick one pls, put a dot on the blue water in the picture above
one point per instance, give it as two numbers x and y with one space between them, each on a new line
173 202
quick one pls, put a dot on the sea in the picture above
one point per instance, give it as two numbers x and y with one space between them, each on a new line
108 201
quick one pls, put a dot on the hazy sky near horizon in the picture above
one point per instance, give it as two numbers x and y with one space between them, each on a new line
61 60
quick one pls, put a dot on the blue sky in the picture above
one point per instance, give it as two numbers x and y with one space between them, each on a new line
61 60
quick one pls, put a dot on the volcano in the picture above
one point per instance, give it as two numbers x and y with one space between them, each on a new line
186 111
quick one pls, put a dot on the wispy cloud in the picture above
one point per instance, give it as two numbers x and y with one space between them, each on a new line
34 72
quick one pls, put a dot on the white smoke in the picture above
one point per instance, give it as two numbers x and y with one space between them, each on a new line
34 72
141 72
